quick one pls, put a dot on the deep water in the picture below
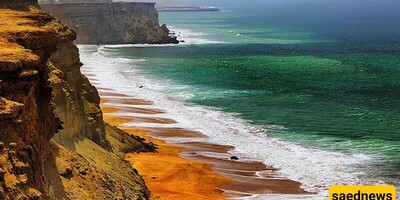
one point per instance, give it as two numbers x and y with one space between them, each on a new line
317 86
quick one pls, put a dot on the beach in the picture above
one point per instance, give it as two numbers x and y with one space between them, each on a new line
297 110
184 168
135 98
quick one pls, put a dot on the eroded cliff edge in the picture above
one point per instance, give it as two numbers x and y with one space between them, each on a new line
77 101
36 55
112 23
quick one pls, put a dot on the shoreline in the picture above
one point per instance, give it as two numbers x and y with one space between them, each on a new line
159 169
187 168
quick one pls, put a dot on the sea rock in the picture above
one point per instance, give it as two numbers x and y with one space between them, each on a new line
234 158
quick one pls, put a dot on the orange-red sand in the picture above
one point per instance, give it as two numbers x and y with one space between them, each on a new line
169 176
177 171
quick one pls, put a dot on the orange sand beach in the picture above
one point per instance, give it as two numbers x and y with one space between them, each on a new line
168 175
179 170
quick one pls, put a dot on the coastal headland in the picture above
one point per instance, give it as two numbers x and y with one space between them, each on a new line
54 143
106 22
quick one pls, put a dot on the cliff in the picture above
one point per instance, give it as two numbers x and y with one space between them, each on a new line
77 101
27 119
112 23
40 78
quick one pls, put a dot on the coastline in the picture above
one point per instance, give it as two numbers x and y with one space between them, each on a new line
158 169
183 167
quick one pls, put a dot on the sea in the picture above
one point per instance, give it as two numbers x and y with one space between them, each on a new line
318 101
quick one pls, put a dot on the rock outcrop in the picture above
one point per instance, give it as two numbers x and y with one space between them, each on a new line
112 23
27 117
77 101
91 172
39 76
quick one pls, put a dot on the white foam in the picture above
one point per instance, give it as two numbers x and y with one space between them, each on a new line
114 46
189 37
315 169
192 37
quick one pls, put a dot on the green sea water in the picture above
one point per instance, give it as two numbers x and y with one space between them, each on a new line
306 84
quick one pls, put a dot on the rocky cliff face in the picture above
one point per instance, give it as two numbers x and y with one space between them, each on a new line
77 101
27 119
38 59
113 23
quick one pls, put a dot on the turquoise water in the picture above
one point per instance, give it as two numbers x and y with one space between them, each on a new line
332 90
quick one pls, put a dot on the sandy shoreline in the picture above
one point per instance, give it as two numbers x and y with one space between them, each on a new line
168 175
183 170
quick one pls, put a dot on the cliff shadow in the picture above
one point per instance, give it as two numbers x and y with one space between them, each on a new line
52 176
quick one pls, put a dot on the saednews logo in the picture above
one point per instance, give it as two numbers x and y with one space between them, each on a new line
354 192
